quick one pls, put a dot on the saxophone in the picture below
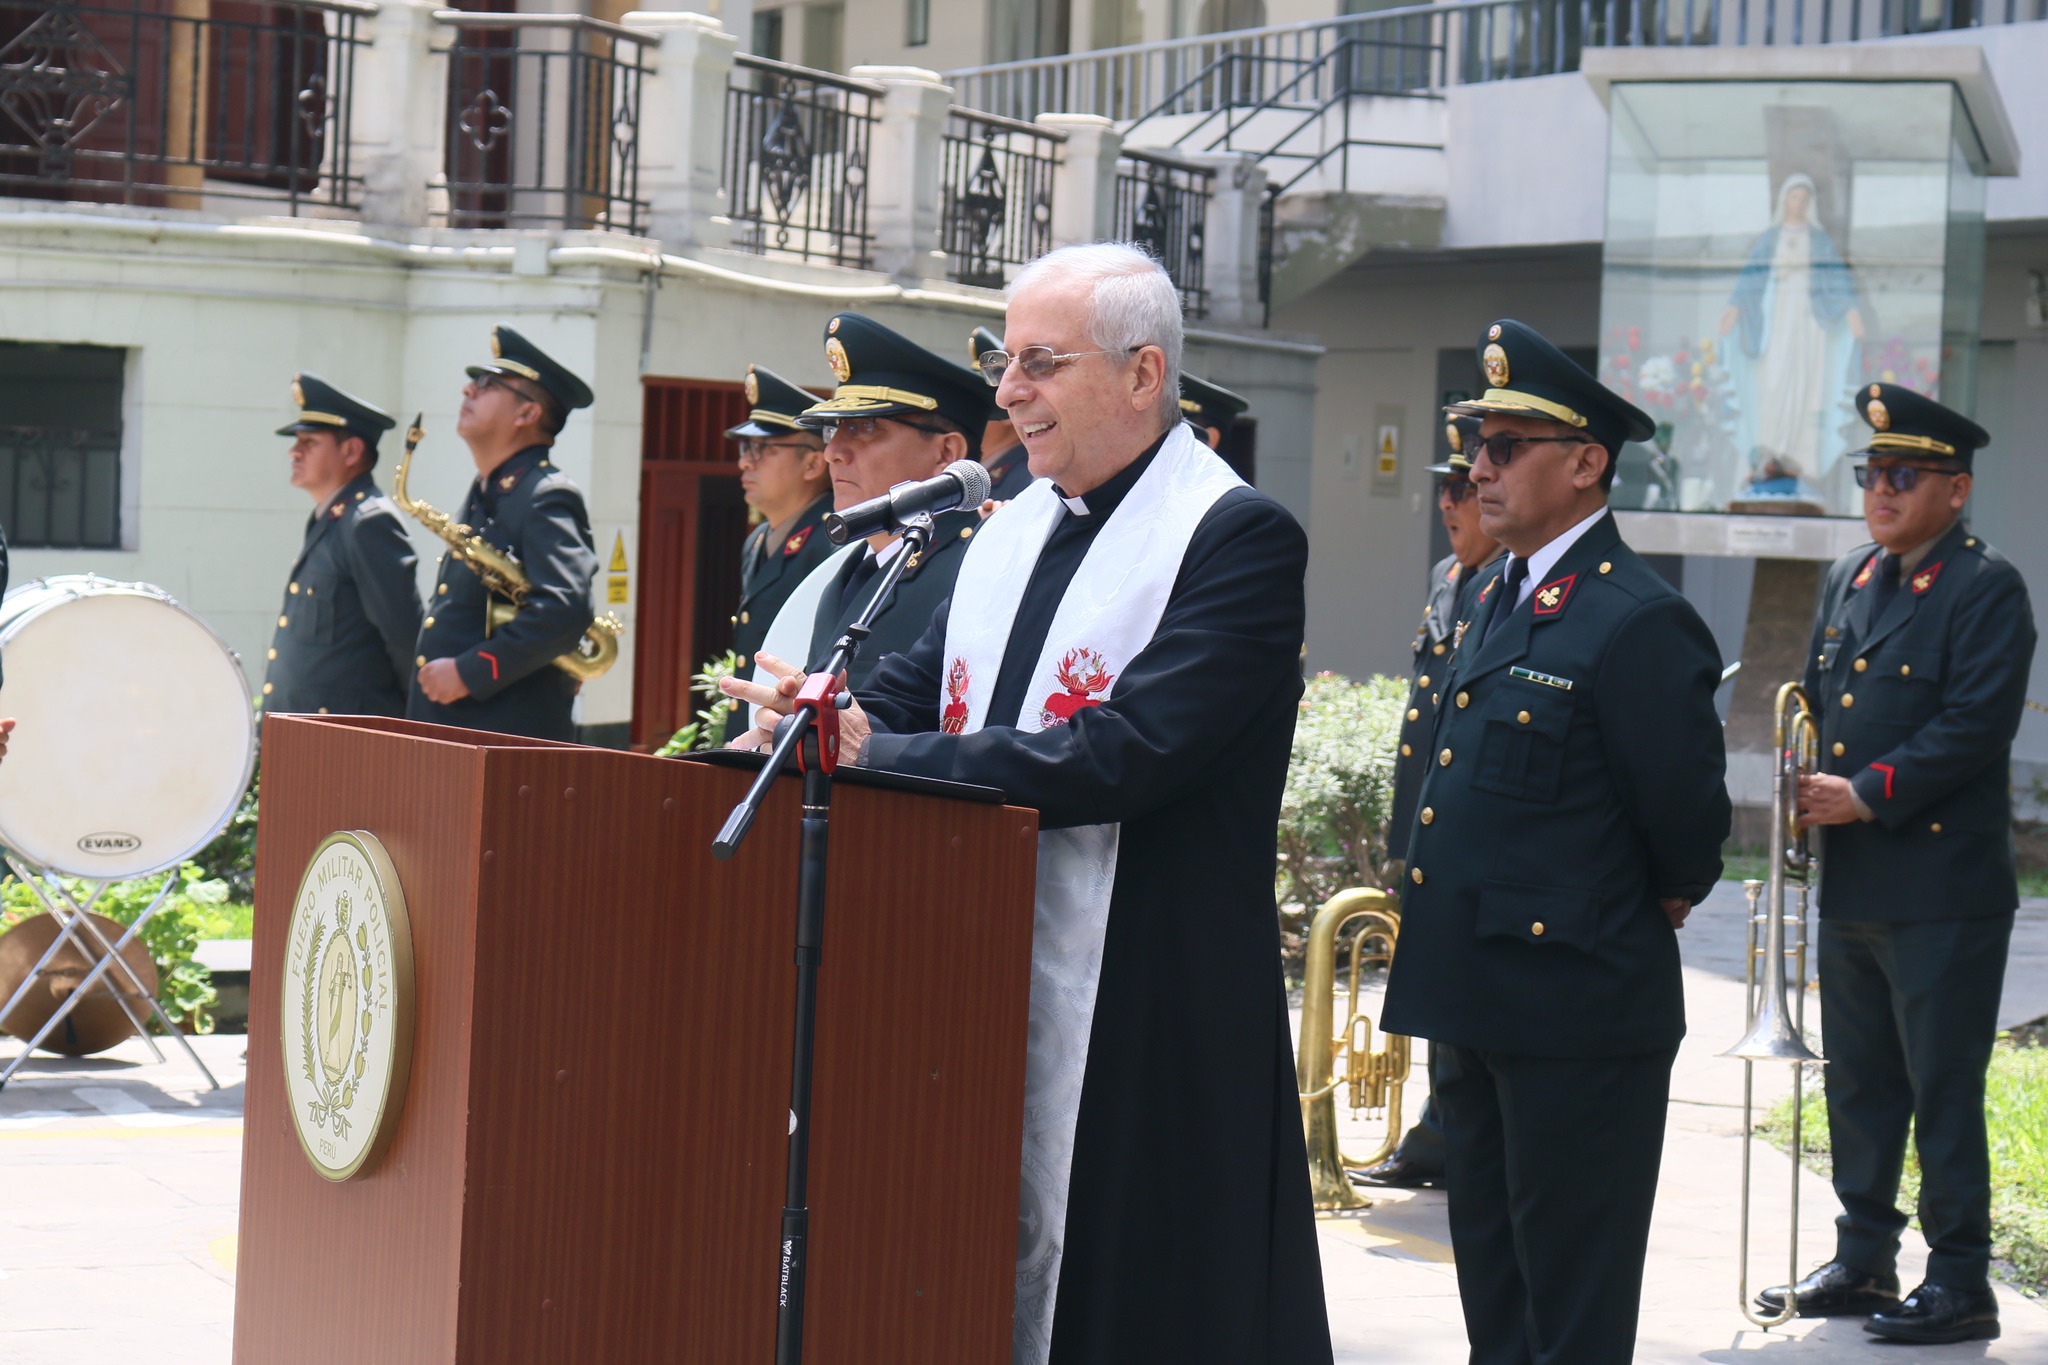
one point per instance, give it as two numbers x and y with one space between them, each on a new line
499 569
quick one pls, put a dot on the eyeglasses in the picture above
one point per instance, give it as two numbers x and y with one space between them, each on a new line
492 380
755 451
1901 477
861 430
1500 447
1038 362
1455 490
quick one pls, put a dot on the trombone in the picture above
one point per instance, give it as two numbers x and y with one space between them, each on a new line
1374 1077
1777 995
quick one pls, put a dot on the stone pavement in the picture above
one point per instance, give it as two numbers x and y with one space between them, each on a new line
119 1187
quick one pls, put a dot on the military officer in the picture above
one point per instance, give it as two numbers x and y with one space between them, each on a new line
1572 815
783 474
503 679
1001 452
351 611
1209 408
1419 1160
1918 667
899 413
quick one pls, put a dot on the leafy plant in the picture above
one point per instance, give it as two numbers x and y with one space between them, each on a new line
231 857
1340 787
184 987
707 731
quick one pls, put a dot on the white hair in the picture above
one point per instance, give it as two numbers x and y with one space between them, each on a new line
1132 301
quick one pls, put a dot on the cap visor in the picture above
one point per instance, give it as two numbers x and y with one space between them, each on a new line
751 428
833 409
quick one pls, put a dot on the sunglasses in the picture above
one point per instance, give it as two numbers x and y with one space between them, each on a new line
1455 490
1501 447
755 451
1039 363
1901 477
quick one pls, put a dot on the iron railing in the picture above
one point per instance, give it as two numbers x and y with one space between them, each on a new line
797 147
60 488
1423 47
995 188
125 101
543 121
1162 204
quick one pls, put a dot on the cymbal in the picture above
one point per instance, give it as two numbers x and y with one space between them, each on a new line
97 1022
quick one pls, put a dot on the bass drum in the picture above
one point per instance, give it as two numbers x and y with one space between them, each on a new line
135 734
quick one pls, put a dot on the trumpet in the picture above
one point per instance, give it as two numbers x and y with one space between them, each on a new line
1372 1077
1777 998
502 576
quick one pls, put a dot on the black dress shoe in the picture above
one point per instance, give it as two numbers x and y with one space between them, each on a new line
1937 1313
1835 1290
1400 1172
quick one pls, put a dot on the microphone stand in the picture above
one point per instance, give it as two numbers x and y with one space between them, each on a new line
811 731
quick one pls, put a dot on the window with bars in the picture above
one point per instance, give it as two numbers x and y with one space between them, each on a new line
60 445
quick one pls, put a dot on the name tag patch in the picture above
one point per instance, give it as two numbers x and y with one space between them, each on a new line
1546 679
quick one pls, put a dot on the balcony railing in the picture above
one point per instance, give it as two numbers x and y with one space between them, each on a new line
1162 204
996 183
1431 46
796 161
543 121
124 102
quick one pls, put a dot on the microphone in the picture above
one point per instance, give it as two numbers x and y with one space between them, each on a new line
962 483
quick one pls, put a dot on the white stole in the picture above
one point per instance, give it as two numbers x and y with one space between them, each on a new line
1107 615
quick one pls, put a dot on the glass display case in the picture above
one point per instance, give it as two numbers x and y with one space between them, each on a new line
1771 246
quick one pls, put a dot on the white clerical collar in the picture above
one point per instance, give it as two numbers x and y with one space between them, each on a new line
1078 506
1545 559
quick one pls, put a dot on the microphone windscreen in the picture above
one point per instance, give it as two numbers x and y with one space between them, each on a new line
974 481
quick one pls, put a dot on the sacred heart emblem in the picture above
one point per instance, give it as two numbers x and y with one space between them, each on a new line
1084 674
953 720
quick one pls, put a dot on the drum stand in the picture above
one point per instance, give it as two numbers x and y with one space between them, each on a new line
75 925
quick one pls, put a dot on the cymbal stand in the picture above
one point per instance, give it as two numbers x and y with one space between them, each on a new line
811 732
75 925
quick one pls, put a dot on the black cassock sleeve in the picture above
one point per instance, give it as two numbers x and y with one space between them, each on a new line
1227 649
385 566
554 549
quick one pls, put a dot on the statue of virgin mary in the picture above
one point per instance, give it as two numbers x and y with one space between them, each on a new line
1795 305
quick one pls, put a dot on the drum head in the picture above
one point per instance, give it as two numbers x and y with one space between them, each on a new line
134 735
96 1023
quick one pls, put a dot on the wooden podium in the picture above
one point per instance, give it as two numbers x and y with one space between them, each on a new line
589 1162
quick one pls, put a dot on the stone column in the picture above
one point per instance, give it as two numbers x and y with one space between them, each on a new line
1230 239
682 128
903 170
400 100
1084 186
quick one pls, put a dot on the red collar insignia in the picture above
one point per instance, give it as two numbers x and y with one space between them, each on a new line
796 542
1924 580
1550 598
1489 587
1869 568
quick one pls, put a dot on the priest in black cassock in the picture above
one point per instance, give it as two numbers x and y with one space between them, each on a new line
1120 652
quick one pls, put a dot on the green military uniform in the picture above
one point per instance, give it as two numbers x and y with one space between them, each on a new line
1920 683
769 573
884 374
1576 780
351 609
1009 469
531 509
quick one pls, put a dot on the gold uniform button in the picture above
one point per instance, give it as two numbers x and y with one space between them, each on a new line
267 689
1428 815
1439 648
1905 670
1832 632
1433 697
1522 717
271 655
1839 749
734 619
1848 700
1537 928
1414 714
1422 681
1443 760
1936 827
1415 875
427 624
284 620
746 618
1407 749
323 710
1862 664
1971 542
1606 567
1464 699
443 590
420 662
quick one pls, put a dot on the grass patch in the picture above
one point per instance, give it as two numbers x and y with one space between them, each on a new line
229 921
2016 1117
1752 864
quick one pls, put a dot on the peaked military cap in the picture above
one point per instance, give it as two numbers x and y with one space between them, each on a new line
884 374
1209 405
979 341
1526 376
776 404
1463 434
1903 422
322 407
513 354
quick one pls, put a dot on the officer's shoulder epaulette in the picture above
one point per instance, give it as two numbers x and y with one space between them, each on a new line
1624 573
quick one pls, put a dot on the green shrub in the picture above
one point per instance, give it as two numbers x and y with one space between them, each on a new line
1340 787
184 987
708 730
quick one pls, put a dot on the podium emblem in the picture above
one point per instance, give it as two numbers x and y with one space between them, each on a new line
347 1004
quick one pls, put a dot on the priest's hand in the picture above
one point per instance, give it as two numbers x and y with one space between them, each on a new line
768 704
